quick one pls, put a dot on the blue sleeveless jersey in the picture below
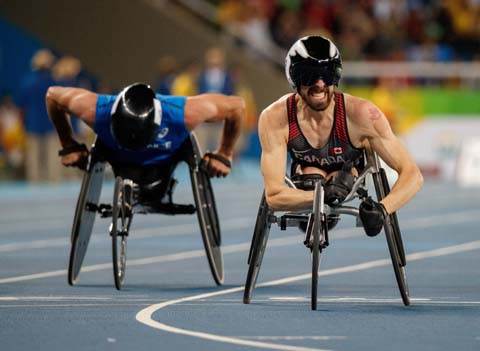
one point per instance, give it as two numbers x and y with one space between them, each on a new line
171 132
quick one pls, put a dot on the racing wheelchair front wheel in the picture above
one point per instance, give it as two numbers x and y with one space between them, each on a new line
318 231
207 215
84 218
257 248
394 239
121 220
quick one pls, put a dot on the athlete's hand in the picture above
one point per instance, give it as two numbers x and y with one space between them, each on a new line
373 215
218 164
75 155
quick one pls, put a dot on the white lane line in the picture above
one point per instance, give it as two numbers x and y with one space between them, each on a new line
368 300
53 298
238 223
108 305
294 337
145 315
171 230
242 223
25 226
150 260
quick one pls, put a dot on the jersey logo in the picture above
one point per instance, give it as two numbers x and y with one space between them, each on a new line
160 146
163 132
322 161
337 150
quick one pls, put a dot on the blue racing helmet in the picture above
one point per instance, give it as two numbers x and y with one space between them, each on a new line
312 58
135 117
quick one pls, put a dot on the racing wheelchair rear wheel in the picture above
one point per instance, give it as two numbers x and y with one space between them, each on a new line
121 220
257 248
84 218
207 214
394 239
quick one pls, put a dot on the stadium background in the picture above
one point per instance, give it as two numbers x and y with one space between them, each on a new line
417 60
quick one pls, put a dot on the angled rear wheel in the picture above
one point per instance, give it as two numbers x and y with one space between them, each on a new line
257 248
207 215
84 218
394 238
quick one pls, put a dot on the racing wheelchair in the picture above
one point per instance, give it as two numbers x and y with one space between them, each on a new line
142 190
317 223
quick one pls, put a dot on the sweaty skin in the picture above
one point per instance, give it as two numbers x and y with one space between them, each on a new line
367 127
63 102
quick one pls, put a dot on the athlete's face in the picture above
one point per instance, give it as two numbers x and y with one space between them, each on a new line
318 96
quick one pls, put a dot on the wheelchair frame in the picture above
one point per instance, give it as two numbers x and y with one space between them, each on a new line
316 235
126 203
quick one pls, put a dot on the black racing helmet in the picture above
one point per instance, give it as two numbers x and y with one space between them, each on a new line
135 117
311 58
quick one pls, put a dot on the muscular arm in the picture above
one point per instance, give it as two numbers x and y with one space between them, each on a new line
273 138
213 108
64 102
382 140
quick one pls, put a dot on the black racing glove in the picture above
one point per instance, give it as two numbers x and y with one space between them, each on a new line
373 215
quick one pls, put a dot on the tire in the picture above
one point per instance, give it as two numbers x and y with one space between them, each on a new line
394 221
315 267
393 236
121 220
400 273
208 221
257 248
84 219
318 229
207 215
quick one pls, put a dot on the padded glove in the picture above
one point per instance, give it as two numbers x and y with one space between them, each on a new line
373 215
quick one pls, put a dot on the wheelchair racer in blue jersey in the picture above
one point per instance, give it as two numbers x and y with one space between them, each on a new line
141 129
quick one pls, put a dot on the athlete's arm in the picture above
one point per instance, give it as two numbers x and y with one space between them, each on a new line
382 140
213 108
273 138
65 102
62 103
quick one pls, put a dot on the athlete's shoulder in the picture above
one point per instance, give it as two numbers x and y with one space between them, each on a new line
277 110
361 110
368 120
273 121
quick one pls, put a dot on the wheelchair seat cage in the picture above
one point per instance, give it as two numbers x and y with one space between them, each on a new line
133 197
316 224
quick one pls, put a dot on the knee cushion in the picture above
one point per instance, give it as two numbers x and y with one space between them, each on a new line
338 187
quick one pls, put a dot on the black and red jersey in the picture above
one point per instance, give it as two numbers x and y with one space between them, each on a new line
334 154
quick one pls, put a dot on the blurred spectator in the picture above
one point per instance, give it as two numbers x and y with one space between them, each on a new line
249 123
66 71
285 27
12 136
167 70
41 162
249 20
214 78
319 15
185 83
369 29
